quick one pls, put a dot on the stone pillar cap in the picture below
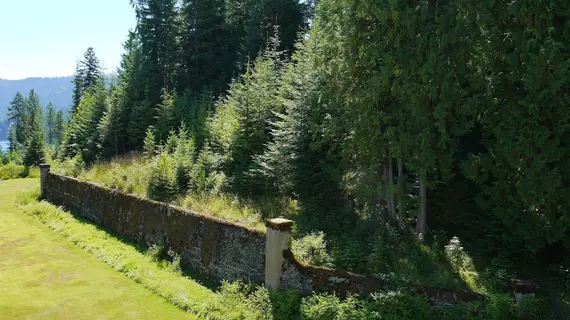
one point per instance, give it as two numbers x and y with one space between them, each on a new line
280 224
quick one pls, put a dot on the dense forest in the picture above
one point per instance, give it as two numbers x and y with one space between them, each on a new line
448 118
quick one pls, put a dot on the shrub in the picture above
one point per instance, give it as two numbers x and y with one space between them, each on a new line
500 307
312 249
330 307
205 176
149 148
162 184
11 171
72 167
534 308
15 171
395 305
183 158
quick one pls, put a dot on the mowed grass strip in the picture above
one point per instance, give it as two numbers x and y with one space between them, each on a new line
157 276
44 276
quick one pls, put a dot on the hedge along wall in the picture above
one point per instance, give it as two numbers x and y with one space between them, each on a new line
218 249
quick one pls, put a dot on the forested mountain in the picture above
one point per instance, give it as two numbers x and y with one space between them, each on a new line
57 90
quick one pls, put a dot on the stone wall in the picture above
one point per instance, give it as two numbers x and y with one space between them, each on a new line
218 249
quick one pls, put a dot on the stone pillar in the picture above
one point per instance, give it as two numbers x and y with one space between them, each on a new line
277 240
523 289
44 171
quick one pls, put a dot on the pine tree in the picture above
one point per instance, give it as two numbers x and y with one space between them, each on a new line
82 136
157 26
12 138
50 124
240 127
58 127
18 114
208 58
34 148
149 148
77 87
87 75
91 70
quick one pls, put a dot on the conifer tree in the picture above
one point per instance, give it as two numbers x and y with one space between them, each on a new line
87 75
35 143
12 138
50 124
58 127
18 114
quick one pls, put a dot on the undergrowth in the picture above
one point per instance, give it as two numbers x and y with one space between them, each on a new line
371 247
16 171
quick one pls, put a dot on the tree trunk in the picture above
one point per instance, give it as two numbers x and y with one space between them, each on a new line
421 227
401 193
387 191
393 215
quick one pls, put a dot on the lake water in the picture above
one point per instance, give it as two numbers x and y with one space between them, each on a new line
4 145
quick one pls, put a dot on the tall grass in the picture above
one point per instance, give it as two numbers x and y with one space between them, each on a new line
132 174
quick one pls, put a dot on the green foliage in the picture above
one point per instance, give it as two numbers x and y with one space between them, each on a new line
149 147
82 135
13 171
183 159
312 249
162 183
240 128
34 147
205 176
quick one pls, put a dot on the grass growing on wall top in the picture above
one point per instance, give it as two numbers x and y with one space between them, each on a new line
131 174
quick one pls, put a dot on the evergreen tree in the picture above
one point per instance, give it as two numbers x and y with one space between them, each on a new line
35 143
82 136
91 70
87 75
12 138
157 26
116 121
58 127
208 56
77 87
240 127
50 124
18 114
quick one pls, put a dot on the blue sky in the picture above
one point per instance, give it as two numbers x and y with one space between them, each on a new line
45 38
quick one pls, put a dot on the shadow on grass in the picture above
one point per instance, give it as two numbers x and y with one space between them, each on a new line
186 270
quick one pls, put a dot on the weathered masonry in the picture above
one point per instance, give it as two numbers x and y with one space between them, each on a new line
218 249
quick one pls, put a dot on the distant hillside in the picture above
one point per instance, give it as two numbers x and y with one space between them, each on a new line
58 91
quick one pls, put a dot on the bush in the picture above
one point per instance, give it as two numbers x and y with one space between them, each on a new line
500 307
330 307
398 306
205 176
534 308
15 171
312 249
72 167
162 184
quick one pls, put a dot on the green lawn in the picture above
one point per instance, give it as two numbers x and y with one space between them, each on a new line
44 276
